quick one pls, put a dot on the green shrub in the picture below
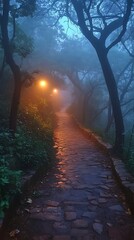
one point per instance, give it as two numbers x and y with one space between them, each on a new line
31 147
9 186
35 137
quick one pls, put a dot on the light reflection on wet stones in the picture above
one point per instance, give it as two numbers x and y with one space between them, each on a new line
77 193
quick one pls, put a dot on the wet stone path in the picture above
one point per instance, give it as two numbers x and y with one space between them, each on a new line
78 199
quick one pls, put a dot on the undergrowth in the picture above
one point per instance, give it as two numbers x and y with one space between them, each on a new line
31 148
129 151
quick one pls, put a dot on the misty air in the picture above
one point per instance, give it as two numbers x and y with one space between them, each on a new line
66 120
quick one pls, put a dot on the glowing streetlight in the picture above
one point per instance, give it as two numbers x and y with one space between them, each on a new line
55 90
42 83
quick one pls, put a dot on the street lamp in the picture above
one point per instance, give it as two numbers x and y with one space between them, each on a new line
42 83
55 90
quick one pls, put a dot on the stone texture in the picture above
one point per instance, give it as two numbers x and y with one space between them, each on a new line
105 187
102 200
94 202
89 236
70 215
98 228
69 209
89 214
116 208
104 195
80 223
44 237
53 213
75 203
80 199
79 232
35 210
52 203
62 237
60 226
91 197
39 216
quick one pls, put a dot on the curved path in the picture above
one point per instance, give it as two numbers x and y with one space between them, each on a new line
79 199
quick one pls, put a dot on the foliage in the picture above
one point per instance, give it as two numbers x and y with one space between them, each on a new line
129 151
9 186
27 7
130 162
31 147
23 8
35 138
9 178
22 44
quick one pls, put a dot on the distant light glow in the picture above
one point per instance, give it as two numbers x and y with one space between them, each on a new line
55 90
42 83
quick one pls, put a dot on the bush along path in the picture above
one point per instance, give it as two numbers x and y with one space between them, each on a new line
24 157
78 199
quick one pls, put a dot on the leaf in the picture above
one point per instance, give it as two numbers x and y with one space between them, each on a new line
29 200
14 233
1 214
27 210
4 181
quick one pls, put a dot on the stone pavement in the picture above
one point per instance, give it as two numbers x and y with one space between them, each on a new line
78 199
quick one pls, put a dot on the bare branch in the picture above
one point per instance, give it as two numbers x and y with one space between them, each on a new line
69 15
124 25
81 21
127 102
90 4
74 80
88 15
98 113
110 28
118 5
100 14
128 111
124 69
124 45
125 89
107 17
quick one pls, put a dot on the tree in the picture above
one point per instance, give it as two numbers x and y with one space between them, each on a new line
22 8
124 82
97 21
73 61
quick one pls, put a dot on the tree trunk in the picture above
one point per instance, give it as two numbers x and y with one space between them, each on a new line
14 67
2 69
109 117
15 100
84 109
113 93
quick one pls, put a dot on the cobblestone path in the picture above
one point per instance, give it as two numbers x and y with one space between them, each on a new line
79 199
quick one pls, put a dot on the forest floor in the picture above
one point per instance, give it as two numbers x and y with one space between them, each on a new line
79 199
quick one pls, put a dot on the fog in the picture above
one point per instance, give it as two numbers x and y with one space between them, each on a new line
52 45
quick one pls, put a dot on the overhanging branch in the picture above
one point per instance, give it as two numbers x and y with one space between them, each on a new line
81 22
110 28
124 25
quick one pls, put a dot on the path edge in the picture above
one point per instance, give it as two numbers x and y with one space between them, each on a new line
124 178
28 182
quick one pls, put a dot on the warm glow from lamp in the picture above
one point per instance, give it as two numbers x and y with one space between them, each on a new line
55 90
42 83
